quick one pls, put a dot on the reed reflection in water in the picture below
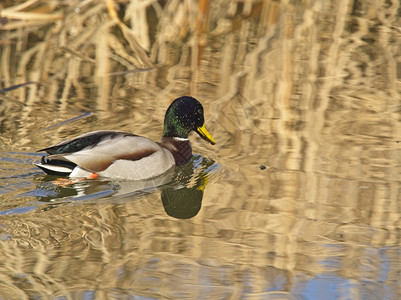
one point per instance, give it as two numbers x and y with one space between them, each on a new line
300 197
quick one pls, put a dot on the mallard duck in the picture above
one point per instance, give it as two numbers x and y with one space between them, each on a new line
119 154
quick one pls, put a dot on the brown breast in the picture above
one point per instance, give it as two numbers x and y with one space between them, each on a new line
181 149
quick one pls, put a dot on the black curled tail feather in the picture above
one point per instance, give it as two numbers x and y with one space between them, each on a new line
56 165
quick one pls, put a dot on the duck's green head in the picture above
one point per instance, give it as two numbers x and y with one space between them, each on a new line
184 115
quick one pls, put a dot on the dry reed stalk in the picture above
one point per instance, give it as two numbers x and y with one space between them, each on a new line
136 14
23 6
17 16
30 16
128 34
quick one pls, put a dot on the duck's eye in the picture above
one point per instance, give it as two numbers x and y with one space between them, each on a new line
200 111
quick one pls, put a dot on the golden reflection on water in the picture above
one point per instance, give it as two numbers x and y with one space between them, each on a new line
303 101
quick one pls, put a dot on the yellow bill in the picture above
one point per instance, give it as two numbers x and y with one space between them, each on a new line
204 134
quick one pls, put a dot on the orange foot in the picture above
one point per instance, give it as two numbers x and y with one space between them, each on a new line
93 176
69 181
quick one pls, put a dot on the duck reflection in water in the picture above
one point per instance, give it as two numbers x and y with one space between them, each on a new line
181 189
185 200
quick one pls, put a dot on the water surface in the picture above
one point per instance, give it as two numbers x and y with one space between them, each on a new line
299 198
